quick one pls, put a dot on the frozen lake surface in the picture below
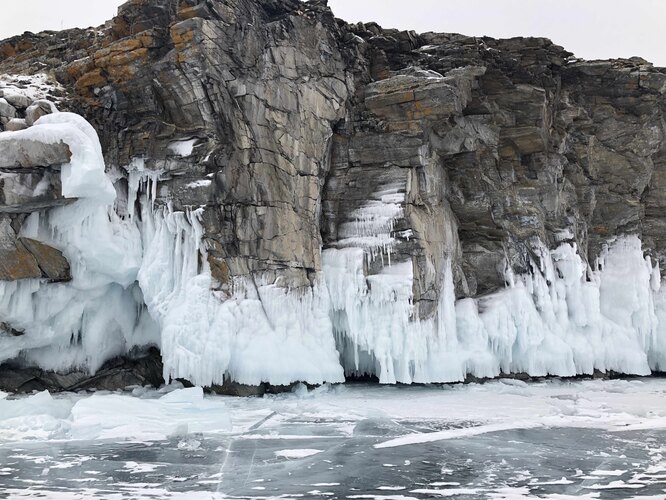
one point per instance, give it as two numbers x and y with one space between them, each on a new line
500 440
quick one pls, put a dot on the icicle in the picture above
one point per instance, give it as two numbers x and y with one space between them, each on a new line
97 307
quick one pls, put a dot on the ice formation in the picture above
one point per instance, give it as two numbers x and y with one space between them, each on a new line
96 316
561 319
372 227
261 333
145 280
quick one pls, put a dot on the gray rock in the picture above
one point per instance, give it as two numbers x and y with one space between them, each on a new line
19 101
23 258
51 262
38 109
119 373
16 124
16 262
20 153
7 111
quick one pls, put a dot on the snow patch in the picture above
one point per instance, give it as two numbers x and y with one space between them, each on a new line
200 183
182 148
298 453
34 87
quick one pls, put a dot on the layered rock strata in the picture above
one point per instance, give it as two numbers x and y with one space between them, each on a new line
304 198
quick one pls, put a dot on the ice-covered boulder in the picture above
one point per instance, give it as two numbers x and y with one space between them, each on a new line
19 101
28 152
7 111
16 124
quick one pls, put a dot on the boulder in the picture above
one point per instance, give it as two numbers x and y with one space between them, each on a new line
51 262
7 111
16 124
18 101
18 153
25 258
38 109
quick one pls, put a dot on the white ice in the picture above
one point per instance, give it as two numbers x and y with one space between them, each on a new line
83 176
371 227
462 410
95 316
182 148
563 319
260 333
297 453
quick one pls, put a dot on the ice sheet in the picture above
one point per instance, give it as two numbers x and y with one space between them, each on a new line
461 410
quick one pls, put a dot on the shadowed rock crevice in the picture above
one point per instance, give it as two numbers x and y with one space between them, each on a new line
118 373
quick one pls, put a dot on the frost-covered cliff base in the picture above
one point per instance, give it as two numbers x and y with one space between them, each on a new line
140 278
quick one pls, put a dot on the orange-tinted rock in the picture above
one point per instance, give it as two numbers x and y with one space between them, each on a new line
16 263
51 261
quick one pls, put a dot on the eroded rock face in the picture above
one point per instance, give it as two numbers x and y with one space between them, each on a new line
244 128
29 182
298 133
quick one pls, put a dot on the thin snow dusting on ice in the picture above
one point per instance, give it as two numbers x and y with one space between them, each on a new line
502 439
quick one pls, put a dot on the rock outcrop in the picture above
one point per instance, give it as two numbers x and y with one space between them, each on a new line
23 258
429 167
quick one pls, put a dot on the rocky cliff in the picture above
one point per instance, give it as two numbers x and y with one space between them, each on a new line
298 198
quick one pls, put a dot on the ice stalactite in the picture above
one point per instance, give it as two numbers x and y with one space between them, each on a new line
565 319
561 319
374 324
97 315
373 314
371 227
260 333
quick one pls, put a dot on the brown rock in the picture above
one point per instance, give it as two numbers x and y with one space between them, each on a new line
51 261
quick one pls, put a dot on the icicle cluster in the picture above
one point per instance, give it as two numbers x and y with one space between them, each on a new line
97 315
145 281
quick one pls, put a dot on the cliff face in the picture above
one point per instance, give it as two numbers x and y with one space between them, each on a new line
366 178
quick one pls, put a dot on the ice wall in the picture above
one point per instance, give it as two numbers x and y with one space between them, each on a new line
143 279
97 315
563 318
259 333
